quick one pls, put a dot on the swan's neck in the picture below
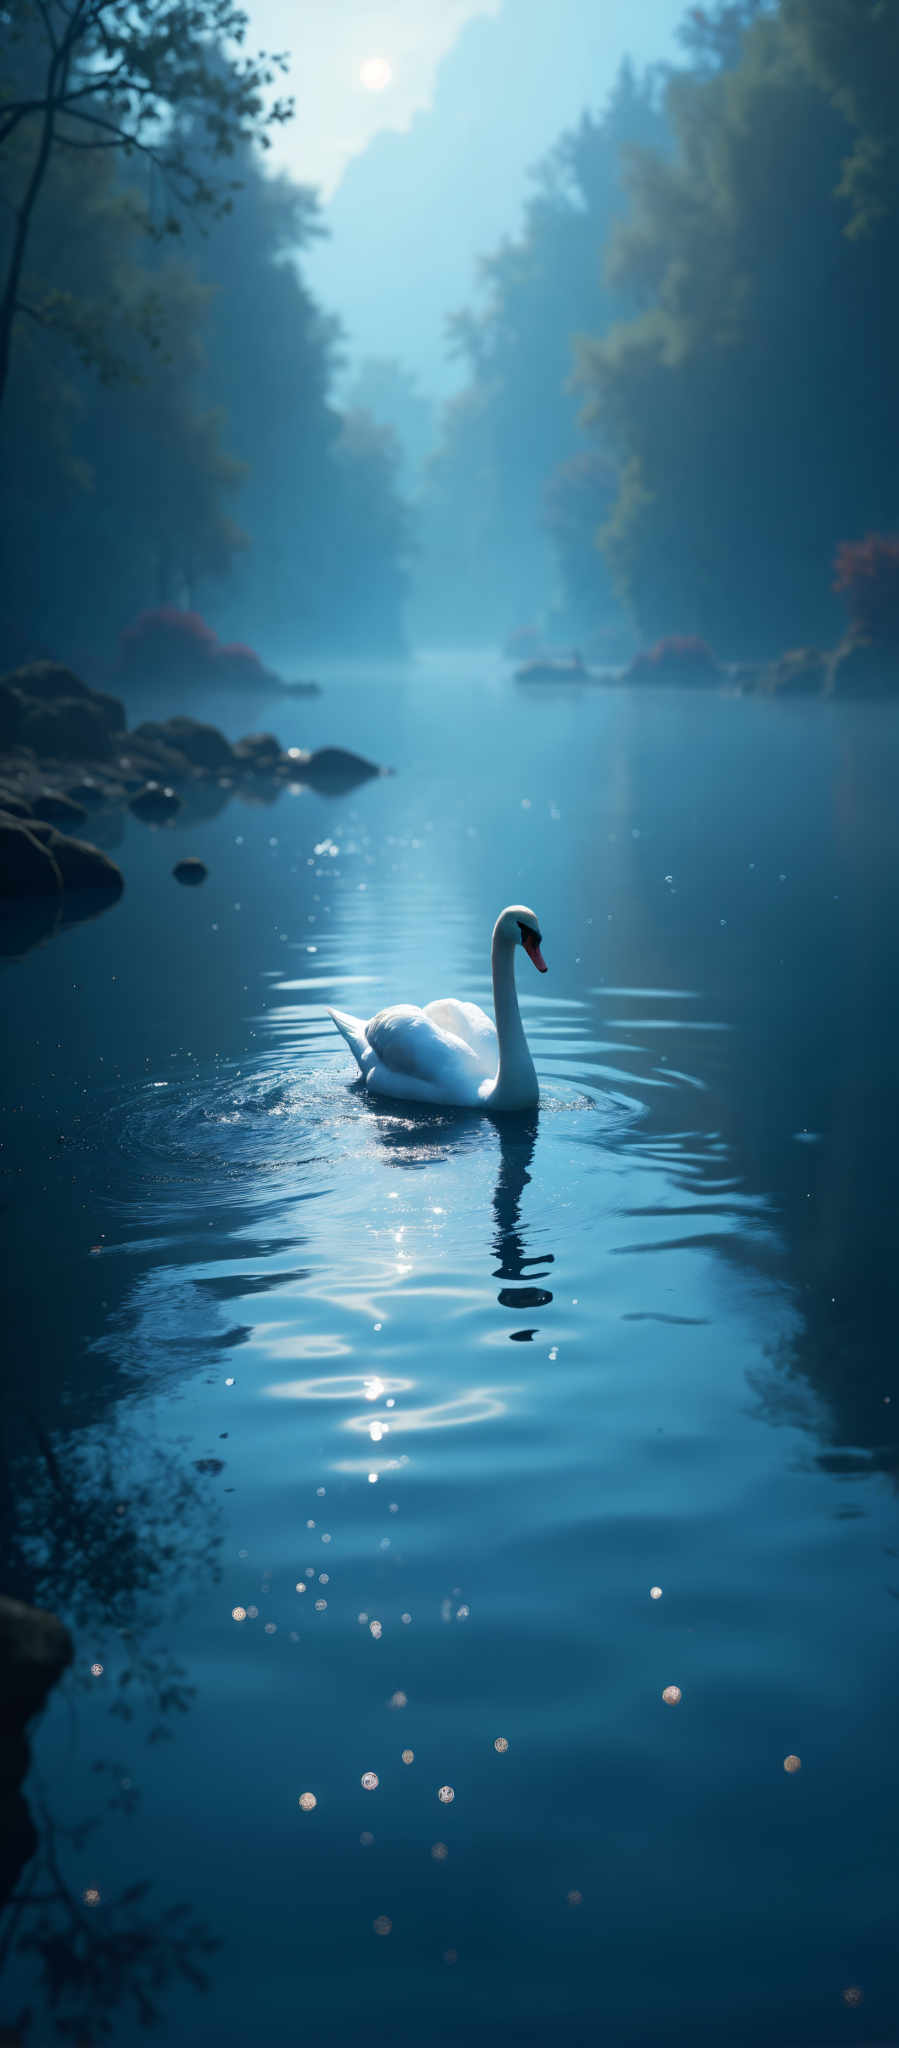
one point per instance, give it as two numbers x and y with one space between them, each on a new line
516 1081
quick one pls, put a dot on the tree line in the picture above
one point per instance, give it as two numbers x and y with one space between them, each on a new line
681 396
168 431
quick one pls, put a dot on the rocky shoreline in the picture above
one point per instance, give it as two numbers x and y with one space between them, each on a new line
66 755
35 1650
861 666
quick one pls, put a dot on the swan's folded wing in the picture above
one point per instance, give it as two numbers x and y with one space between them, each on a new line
409 1041
472 1025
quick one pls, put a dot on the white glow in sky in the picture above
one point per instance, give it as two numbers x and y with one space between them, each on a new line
355 68
375 74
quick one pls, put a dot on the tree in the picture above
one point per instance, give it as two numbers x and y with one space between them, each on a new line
495 550
713 36
101 75
851 49
752 405
390 393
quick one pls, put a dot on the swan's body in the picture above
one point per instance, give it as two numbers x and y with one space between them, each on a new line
451 1052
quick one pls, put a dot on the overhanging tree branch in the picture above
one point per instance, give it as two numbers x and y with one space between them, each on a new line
129 73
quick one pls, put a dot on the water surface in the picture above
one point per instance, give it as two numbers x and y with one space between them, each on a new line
337 1431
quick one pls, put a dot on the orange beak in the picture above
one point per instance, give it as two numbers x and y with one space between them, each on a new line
532 948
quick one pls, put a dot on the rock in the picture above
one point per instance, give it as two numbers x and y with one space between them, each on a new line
333 770
35 1650
745 675
203 745
546 669
29 922
803 670
862 667
10 716
46 679
259 750
81 865
152 761
89 793
26 867
15 804
56 714
190 871
57 809
678 658
111 710
67 729
154 803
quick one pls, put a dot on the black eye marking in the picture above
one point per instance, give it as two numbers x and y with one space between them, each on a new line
526 934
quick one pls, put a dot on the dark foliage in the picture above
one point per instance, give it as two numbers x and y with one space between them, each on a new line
497 543
752 406
171 438
179 649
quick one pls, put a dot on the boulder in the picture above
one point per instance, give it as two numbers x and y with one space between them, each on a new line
56 809
68 728
802 671
111 710
28 922
190 871
333 770
10 716
152 761
154 803
88 792
15 804
35 1650
203 745
46 679
259 750
26 867
862 667
81 865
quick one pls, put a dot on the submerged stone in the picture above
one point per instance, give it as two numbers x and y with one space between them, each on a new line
27 868
154 803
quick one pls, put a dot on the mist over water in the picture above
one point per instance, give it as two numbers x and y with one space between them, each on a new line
478 1387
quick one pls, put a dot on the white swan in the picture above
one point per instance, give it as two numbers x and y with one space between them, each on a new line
450 1052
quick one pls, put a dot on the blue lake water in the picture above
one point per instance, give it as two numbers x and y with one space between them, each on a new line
337 1431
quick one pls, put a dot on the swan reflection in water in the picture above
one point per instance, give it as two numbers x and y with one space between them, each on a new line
415 1141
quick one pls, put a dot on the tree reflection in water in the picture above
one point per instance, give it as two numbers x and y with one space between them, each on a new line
97 1953
110 1556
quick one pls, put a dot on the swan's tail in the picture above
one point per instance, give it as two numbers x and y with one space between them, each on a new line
353 1030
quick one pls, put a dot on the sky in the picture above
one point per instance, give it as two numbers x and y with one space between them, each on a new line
330 41
424 169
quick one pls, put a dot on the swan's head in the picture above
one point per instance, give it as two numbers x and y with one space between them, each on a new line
518 926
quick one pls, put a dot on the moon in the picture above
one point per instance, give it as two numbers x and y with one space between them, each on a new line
375 74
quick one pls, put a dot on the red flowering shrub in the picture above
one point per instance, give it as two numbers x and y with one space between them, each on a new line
867 574
244 665
167 639
679 657
173 646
